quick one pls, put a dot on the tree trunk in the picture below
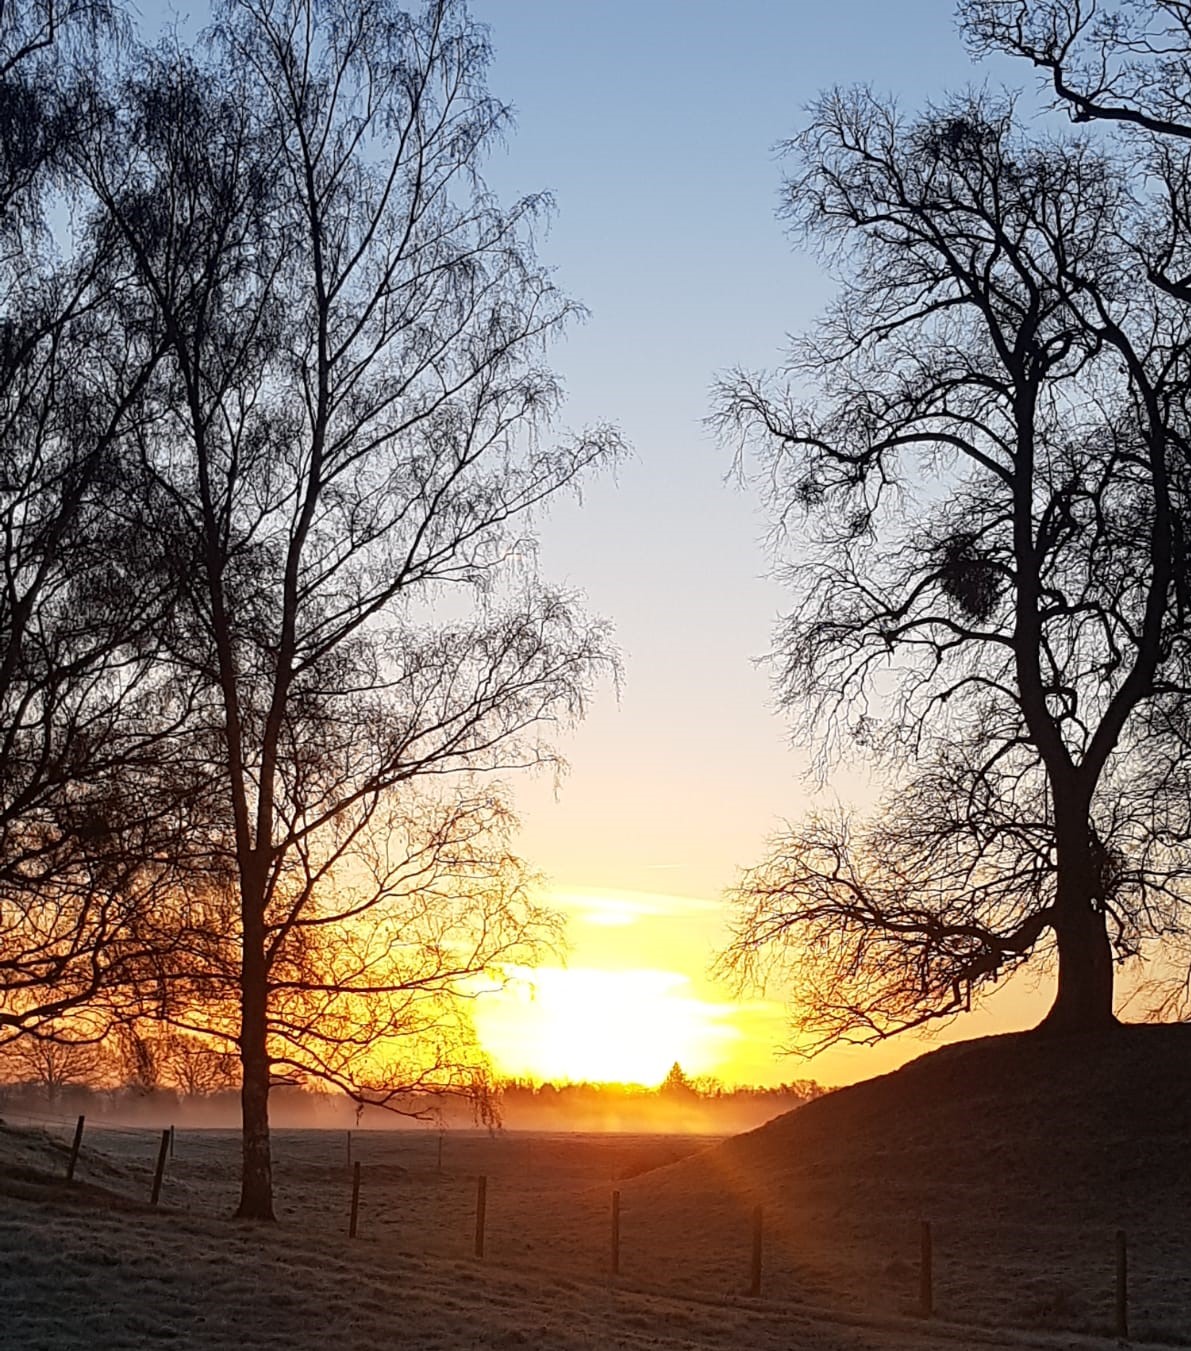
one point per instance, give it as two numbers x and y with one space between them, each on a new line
1083 1001
256 1183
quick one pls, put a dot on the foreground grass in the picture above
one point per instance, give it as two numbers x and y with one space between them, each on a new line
93 1267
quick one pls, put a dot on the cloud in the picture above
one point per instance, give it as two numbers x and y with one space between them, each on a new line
616 909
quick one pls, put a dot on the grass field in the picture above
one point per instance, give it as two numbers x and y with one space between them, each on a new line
93 1267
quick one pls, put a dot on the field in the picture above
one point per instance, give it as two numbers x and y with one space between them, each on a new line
93 1266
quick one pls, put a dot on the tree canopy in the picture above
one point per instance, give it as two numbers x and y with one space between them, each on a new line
985 443
283 448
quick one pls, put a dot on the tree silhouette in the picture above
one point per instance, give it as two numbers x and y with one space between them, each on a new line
55 1064
89 808
1129 69
677 1083
1121 65
994 479
352 425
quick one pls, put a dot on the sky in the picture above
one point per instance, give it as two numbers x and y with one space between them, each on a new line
653 123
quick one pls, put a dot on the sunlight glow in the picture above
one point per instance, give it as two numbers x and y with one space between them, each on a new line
630 1026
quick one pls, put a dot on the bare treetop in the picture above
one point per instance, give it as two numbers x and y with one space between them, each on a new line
977 472
354 424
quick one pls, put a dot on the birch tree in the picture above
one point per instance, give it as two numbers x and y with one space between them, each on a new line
354 425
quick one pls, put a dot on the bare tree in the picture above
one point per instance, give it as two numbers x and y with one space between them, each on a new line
377 952
56 1062
993 472
1125 64
151 1055
1118 61
196 1068
353 427
88 812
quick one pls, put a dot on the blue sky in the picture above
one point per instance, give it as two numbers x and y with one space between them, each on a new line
654 123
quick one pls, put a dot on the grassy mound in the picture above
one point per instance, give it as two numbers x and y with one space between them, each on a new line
1026 1153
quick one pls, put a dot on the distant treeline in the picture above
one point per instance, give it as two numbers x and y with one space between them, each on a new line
701 1104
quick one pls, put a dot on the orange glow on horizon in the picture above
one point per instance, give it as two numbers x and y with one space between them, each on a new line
635 997
603 1026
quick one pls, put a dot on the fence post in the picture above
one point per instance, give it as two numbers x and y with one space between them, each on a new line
755 1274
616 1233
74 1149
160 1173
351 1230
481 1211
1121 1327
926 1285
171 1142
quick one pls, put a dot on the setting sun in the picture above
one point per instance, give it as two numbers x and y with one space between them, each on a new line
595 674
633 997
603 1026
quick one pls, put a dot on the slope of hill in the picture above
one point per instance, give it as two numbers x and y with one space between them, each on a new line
1025 1153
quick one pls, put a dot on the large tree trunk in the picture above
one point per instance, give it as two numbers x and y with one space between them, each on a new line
1083 1001
256 1183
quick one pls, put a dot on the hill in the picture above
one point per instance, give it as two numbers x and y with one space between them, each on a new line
1025 1152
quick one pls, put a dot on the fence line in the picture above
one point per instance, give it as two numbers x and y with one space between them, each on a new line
67 1123
1109 1291
920 1293
75 1147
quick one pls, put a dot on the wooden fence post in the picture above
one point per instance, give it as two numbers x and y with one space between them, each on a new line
481 1212
171 1142
160 1173
616 1233
926 1285
351 1229
1121 1322
755 1273
74 1149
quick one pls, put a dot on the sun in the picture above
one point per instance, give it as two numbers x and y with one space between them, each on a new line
567 1024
